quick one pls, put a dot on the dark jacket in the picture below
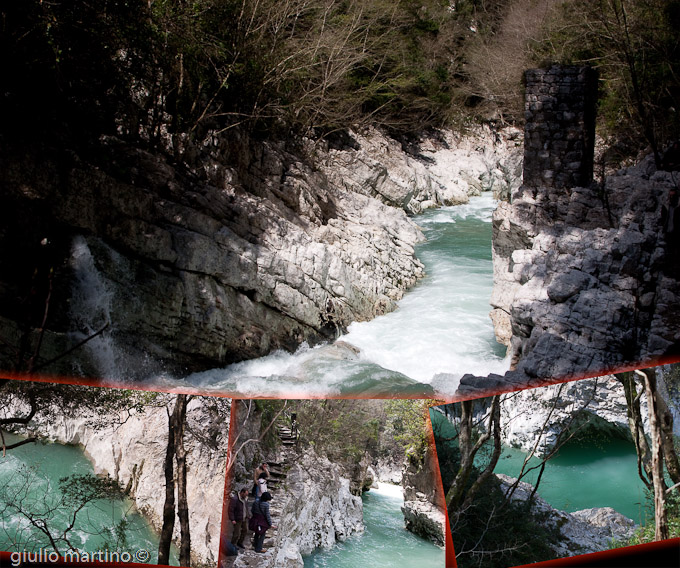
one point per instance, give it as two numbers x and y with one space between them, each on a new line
237 510
262 507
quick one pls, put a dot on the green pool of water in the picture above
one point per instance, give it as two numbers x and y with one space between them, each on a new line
29 477
590 472
585 474
384 544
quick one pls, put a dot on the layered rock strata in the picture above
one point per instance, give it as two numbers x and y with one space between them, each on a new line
205 264
238 248
584 279
439 169
131 449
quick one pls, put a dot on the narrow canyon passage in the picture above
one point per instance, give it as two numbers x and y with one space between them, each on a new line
384 543
440 331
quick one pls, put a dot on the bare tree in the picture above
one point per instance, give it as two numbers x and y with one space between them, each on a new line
457 496
175 452
248 406
54 515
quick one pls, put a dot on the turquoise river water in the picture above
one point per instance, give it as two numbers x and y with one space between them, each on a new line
385 543
29 476
596 471
440 330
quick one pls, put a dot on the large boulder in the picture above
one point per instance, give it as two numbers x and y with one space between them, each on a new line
582 532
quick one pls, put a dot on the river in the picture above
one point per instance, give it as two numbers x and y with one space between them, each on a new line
385 543
440 330
29 478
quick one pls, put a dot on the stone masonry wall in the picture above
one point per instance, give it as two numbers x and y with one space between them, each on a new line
559 132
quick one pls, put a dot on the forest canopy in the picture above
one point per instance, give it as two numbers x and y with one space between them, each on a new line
143 69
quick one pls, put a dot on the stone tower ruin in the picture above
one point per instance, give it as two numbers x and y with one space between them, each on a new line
559 131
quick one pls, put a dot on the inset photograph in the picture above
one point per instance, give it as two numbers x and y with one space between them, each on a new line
340 483
110 475
562 470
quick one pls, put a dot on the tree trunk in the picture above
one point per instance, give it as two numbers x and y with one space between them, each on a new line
495 428
456 493
660 518
182 503
635 424
666 425
169 505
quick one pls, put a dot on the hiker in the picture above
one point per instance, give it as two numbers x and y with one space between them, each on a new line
294 426
261 520
238 515
264 468
261 486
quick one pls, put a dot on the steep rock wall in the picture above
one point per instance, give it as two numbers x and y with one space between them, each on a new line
205 263
549 410
424 500
440 168
238 248
584 279
317 509
320 509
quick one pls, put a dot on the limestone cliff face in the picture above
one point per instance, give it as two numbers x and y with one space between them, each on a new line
238 248
132 451
584 280
204 263
533 418
314 508
319 511
424 501
443 169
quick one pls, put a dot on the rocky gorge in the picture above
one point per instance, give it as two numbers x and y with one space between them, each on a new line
583 429
247 246
130 447
242 247
316 501
585 272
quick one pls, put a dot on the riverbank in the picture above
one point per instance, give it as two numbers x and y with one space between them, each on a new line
565 458
585 281
130 446
384 542
321 477
246 248
439 331
31 488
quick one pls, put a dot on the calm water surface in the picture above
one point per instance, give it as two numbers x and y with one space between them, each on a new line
592 472
31 474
